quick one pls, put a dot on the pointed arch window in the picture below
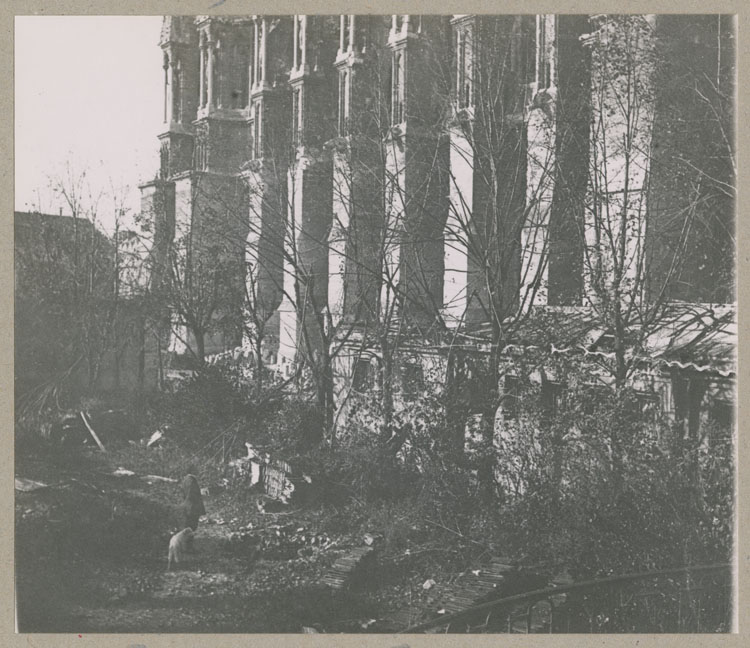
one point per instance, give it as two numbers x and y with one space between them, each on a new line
177 90
166 85
465 66
344 102
545 34
300 25
259 46
257 131
204 73
398 87
297 117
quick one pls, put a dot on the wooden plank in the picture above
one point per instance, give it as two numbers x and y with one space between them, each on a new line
91 432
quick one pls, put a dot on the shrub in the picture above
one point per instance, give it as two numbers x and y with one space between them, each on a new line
605 491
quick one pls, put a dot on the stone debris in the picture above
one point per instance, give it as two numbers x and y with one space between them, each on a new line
495 579
274 476
152 479
280 541
155 438
476 586
122 472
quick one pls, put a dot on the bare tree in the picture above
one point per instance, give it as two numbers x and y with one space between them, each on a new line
650 206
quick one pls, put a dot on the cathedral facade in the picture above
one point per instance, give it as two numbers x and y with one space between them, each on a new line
357 195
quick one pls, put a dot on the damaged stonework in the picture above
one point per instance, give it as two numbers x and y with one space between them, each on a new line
275 477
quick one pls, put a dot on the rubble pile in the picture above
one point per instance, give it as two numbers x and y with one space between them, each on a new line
352 569
274 477
279 542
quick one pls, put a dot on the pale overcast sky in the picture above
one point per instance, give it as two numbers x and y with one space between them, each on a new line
87 91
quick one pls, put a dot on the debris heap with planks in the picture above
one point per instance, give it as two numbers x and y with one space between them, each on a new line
497 578
350 568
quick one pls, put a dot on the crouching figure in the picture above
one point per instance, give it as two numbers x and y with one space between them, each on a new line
179 545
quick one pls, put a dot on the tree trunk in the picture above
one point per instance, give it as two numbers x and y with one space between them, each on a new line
486 471
327 393
259 366
387 391
200 343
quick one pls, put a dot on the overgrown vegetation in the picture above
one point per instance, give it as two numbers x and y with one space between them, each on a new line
590 481
594 483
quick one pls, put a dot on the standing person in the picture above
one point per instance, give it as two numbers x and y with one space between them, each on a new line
192 500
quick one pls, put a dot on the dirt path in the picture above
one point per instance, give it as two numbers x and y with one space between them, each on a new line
92 558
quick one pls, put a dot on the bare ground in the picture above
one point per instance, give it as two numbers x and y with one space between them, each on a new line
91 557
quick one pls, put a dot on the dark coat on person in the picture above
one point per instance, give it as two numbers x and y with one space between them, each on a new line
192 501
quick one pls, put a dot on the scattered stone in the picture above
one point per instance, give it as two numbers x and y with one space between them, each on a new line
122 472
152 479
155 438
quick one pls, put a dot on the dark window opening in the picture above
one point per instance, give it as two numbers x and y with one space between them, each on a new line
164 160
166 84
257 131
300 45
464 67
204 76
543 66
721 414
592 397
552 399
343 103
511 389
398 80
644 406
412 379
177 92
297 116
361 378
